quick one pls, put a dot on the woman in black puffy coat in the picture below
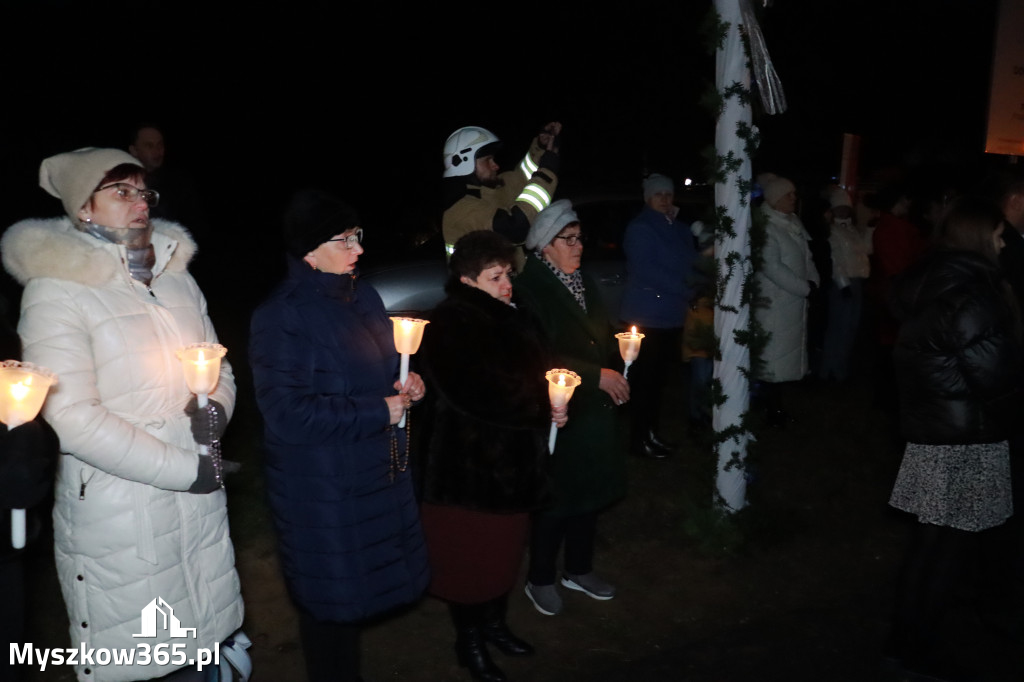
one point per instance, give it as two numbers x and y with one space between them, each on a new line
325 372
957 361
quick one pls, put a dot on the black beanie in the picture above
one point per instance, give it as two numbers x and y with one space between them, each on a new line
313 217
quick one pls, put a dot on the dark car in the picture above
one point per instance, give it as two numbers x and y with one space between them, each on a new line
415 287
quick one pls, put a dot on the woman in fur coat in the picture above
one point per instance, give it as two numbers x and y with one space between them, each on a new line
140 516
484 360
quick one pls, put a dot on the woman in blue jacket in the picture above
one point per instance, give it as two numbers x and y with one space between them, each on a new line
325 371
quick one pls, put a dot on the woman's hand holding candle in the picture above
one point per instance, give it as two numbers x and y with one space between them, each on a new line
413 387
560 415
615 385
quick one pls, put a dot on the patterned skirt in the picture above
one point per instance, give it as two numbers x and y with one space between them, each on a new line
959 486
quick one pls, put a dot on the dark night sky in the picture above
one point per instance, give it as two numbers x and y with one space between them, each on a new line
256 103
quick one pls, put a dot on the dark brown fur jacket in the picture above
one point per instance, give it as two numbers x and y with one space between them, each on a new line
484 361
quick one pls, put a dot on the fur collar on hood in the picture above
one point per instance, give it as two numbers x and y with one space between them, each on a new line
52 247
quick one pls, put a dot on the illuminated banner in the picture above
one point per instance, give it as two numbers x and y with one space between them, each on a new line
1006 103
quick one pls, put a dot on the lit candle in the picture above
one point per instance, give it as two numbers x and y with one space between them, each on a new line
408 335
629 348
201 363
561 384
26 387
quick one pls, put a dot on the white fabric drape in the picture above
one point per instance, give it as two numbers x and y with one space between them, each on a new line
730 316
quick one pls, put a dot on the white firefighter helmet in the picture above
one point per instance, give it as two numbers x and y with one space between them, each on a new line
462 148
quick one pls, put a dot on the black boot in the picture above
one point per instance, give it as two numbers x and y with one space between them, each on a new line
470 646
496 630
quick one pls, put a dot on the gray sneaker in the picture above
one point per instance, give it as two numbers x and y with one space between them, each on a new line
545 598
590 585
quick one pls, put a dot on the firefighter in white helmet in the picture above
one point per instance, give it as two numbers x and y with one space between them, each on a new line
477 197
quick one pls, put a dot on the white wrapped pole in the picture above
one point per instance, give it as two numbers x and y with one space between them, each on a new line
731 315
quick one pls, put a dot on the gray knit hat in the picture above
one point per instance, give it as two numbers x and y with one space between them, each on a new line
656 183
549 223
72 177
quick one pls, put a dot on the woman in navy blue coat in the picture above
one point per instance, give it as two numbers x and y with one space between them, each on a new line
325 371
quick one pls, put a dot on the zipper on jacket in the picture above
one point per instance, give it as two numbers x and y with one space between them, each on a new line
84 482
131 280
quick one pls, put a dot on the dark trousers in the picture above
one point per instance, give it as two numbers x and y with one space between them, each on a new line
949 577
547 534
660 358
933 570
12 610
331 649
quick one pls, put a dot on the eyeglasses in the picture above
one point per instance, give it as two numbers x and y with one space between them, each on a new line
130 193
351 240
573 239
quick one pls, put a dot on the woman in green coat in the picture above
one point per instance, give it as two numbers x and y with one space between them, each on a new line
588 466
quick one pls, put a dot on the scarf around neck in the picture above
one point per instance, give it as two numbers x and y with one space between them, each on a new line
136 241
573 282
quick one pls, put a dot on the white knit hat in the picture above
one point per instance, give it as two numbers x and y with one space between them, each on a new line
837 196
549 223
72 177
774 187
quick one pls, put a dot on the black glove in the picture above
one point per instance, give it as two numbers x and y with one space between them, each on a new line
550 160
206 477
208 424
27 457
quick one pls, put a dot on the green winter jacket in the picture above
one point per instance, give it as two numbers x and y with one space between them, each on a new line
588 466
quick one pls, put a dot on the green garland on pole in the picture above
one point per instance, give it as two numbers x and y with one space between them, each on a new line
723 169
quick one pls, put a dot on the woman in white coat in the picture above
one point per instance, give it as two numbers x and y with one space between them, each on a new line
786 277
139 514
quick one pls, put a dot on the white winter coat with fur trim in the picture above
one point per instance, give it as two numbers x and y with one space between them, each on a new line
126 532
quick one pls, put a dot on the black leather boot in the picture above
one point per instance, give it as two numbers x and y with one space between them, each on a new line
470 646
496 630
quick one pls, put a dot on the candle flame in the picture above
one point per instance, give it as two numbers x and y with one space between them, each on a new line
21 389
561 380
633 330
201 359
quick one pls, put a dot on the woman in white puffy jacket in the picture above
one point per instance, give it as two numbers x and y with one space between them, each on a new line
139 514
787 276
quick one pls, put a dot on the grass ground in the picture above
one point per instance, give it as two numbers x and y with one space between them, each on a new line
796 587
